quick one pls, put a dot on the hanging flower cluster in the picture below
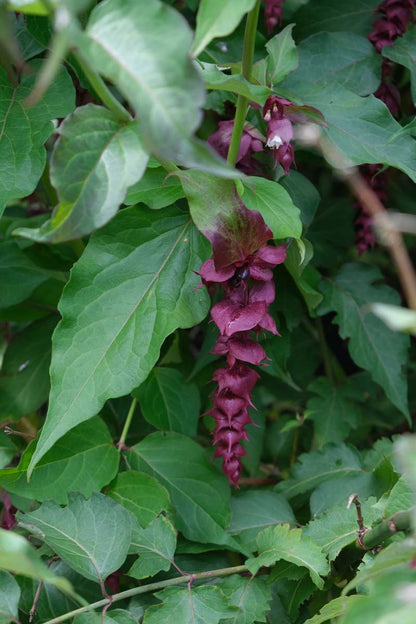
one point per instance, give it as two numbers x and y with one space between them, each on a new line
393 20
248 289
251 142
273 14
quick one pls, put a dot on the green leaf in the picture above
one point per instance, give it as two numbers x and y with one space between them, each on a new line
401 497
7 449
250 595
25 130
9 598
331 411
19 274
316 467
132 287
141 494
281 542
156 189
215 78
304 195
202 605
283 55
356 16
359 128
95 159
255 510
24 382
305 276
332 609
91 535
293 593
19 556
155 546
337 528
403 51
84 460
371 344
199 493
168 403
275 206
132 45
344 58
216 18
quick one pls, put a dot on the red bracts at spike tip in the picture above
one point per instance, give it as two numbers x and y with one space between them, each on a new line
243 313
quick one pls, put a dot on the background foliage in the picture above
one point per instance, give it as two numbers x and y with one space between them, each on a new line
113 507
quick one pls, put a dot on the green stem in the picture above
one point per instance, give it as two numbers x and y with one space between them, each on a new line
400 521
247 66
152 587
121 442
101 89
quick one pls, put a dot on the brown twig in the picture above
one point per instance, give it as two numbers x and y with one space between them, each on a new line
362 529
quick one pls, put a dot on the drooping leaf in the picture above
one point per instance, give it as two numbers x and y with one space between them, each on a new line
331 411
371 344
141 494
9 598
281 542
155 546
338 527
91 535
202 605
216 18
197 490
25 130
217 79
250 595
168 403
95 160
344 58
131 44
283 55
19 556
84 460
255 510
403 51
24 382
132 287
156 189
332 609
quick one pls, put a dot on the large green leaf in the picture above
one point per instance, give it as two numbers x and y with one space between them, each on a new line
403 51
345 58
95 160
9 598
283 55
91 535
132 44
167 402
19 556
141 494
356 16
281 542
255 510
202 605
133 286
217 18
251 595
316 467
84 460
156 189
155 546
331 411
372 345
25 130
24 381
199 493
